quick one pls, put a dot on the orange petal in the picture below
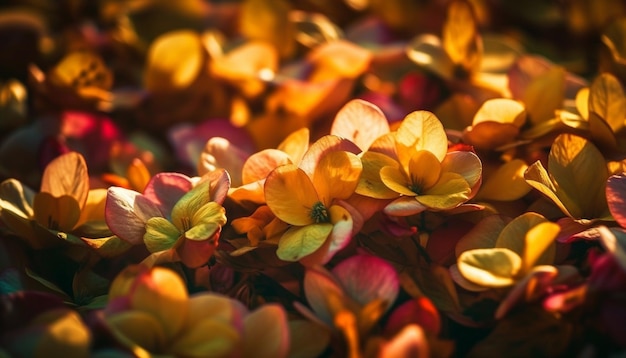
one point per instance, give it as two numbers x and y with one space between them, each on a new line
296 144
424 170
370 183
260 164
56 213
67 175
324 145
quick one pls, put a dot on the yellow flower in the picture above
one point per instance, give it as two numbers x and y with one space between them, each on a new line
311 203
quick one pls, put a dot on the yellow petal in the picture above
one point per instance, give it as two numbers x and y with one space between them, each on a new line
506 183
465 163
300 241
138 175
336 176
396 180
94 207
340 58
537 177
580 172
296 144
56 213
483 235
138 328
420 130
490 267
513 234
539 245
268 21
67 175
450 191
64 334
424 170
428 52
161 293
174 61
545 94
290 194
582 102
370 183
323 146
460 36
607 99
501 110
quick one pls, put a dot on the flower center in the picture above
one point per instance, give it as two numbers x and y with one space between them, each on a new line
416 187
319 213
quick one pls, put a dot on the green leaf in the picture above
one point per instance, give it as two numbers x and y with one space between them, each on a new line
190 203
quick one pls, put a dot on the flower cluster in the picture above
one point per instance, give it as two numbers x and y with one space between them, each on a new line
274 178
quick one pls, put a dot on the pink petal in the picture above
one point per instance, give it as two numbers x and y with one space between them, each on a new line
420 311
404 206
366 278
126 213
616 198
195 253
165 189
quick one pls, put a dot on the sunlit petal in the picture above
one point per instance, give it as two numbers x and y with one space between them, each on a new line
395 179
296 144
370 183
290 194
467 164
424 170
56 213
337 175
126 213
260 164
342 231
490 267
450 191
421 130
349 121
94 206
189 204
537 177
18 196
324 145
67 175
300 241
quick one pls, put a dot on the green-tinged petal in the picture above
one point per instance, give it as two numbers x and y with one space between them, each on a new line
56 213
307 339
260 164
451 191
395 179
490 267
219 308
20 197
580 172
290 194
507 183
458 278
67 175
428 52
424 170
483 235
336 176
266 332
202 231
537 177
300 241
211 212
191 202
127 212
466 164
208 338
161 293
138 328
539 245
420 130
349 121
404 206
160 234
607 99
370 183
296 144
340 236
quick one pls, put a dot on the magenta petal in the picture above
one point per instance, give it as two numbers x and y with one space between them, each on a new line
165 189
126 212
319 286
366 278
616 198
420 311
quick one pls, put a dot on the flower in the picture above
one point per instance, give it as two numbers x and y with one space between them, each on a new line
310 201
150 312
172 216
